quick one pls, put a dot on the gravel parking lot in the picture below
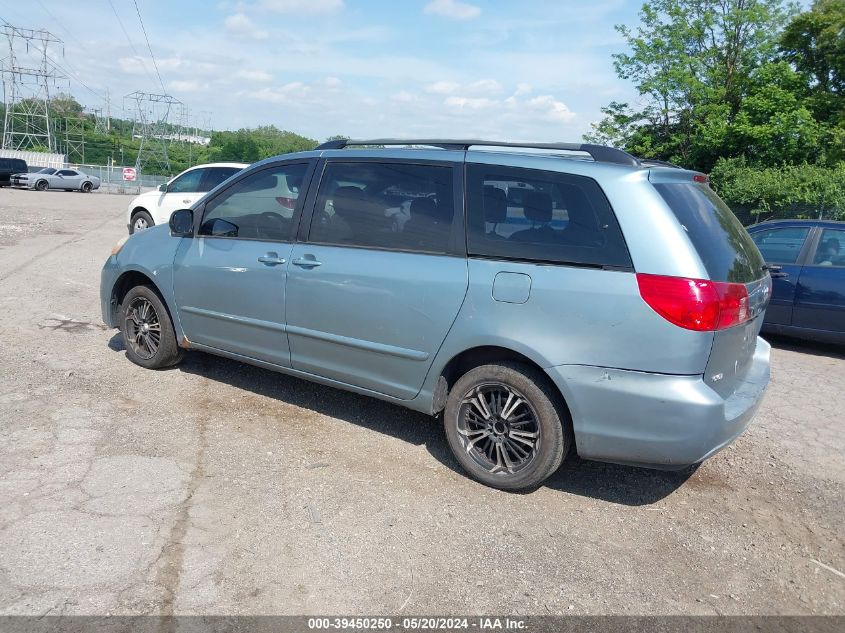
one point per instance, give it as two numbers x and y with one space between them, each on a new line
219 488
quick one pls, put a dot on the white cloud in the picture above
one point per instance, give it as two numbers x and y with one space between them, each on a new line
443 87
522 89
403 96
302 7
255 75
485 86
453 9
332 82
470 103
479 87
290 92
178 85
551 108
240 24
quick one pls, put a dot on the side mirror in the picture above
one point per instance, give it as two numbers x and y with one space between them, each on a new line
162 188
182 223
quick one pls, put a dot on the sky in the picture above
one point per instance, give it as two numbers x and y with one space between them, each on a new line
529 70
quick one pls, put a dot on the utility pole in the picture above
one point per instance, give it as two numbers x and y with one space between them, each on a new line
27 76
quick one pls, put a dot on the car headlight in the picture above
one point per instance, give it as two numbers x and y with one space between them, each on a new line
116 248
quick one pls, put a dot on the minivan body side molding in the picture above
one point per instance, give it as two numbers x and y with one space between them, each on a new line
379 348
268 325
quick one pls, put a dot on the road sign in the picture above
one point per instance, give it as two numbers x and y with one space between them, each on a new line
129 173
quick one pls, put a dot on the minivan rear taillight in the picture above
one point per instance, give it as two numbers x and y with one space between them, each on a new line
695 304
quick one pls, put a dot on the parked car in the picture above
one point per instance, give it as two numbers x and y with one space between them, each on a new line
154 207
50 178
9 167
807 263
629 335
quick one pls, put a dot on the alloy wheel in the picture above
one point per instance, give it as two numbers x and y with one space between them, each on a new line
142 328
498 428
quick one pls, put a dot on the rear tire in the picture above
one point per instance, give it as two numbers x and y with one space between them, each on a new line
505 426
140 220
42 185
147 331
86 187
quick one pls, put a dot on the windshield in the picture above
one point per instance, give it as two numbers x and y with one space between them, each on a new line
725 247
46 170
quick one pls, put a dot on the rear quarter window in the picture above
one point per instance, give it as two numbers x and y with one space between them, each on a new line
542 216
724 246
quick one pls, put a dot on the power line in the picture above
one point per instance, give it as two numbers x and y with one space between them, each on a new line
150 48
129 40
65 69
59 24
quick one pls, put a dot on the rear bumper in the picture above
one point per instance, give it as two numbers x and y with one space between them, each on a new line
657 420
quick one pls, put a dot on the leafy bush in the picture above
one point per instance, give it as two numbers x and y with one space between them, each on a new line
787 191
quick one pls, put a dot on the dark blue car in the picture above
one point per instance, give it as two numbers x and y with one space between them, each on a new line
807 264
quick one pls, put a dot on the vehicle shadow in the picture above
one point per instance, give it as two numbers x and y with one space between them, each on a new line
606 482
815 348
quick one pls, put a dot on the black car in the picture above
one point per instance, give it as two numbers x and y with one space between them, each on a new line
9 166
807 262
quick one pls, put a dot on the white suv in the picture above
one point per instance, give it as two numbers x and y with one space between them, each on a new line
154 207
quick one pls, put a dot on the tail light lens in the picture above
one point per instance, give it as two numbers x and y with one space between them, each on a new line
695 304
287 203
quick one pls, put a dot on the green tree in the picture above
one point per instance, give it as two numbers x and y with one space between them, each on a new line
814 43
693 63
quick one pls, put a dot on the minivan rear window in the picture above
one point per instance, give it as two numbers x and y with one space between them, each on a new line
725 247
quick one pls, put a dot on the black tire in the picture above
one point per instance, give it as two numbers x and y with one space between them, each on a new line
142 306
86 187
140 220
540 403
42 185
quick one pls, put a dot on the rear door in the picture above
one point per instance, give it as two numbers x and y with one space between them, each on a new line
370 300
820 294
782 247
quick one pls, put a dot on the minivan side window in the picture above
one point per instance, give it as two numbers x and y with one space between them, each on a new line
534 215
259 207
401 206
781 246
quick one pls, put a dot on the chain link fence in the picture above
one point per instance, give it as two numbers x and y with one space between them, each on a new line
111 179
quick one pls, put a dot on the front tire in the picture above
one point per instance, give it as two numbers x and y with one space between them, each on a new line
147 331
140 221
41 185
505 426
86 187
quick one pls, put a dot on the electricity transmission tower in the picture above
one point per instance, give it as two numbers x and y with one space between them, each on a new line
73 130
27 75
150 124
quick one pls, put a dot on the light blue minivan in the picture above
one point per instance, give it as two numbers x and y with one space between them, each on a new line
570 298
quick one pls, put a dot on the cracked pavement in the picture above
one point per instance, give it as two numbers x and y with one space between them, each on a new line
218 488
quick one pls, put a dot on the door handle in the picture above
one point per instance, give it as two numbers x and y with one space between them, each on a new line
776 272
271 259
186 201
306 261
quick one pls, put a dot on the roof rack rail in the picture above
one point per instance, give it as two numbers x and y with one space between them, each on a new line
599 153
653 162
